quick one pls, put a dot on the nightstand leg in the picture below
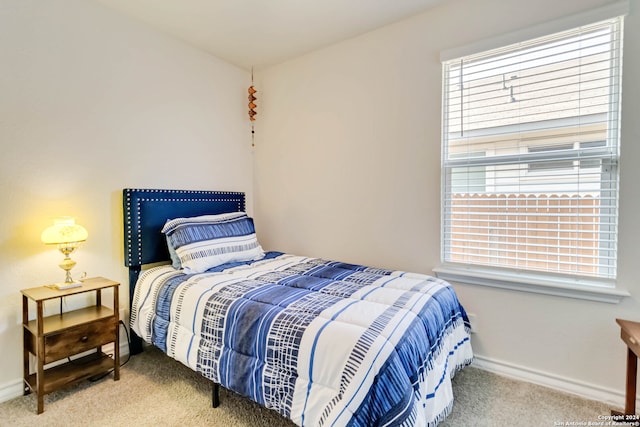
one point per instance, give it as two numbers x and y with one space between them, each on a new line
40 376
40 356
632 372
116 344
25 345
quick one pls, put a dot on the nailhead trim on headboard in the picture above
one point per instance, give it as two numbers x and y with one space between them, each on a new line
134 198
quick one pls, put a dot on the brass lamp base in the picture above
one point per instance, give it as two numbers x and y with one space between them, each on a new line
67 264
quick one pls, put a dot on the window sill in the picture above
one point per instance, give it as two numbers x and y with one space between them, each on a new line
592 290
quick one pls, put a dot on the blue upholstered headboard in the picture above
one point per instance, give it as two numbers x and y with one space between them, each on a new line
145 212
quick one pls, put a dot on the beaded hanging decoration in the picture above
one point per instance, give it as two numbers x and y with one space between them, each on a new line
252 106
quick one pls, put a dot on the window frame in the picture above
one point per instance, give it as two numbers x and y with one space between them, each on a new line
594 289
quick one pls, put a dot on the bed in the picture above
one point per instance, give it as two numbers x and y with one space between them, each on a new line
321 342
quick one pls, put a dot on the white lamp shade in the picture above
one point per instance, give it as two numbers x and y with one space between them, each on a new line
64 230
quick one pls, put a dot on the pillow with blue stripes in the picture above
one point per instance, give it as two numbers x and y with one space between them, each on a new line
203 242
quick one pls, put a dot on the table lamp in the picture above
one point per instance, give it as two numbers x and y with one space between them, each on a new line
67 235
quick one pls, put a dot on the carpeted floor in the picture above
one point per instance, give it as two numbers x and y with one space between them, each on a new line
483 399
156 391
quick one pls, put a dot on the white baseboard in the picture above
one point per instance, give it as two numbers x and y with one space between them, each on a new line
13 389
612 397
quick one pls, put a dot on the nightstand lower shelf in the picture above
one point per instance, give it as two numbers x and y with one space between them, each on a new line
72 372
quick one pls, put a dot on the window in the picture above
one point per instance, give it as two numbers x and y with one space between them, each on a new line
530 155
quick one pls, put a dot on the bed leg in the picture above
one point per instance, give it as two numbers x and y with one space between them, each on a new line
215 395
135 346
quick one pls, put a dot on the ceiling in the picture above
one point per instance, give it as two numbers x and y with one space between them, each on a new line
254 33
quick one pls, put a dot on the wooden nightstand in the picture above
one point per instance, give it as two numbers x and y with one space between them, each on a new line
63 335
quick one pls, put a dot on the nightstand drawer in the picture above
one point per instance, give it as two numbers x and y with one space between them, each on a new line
78 339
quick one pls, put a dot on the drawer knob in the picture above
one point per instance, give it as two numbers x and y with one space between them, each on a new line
633 341
84 339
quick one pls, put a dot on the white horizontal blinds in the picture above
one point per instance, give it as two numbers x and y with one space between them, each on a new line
530 154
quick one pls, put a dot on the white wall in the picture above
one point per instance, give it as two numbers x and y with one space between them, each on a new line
90 103
348 167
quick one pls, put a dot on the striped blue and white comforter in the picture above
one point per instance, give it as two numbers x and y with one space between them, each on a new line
321 342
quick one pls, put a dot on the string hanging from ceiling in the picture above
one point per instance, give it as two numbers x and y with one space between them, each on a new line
252 107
